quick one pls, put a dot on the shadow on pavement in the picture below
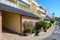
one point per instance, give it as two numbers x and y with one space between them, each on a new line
5 30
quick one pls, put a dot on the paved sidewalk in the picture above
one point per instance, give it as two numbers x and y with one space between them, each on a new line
9 36
46 34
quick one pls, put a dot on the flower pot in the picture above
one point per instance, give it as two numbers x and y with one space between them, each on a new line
26 34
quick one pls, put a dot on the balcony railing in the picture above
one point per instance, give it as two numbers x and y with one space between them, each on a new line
35 3
26 2
40 10
12 4
9 3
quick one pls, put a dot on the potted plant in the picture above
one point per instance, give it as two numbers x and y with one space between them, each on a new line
28 31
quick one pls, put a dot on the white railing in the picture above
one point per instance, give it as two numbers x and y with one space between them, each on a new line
26 2
41 10
12 4
35 3
8 3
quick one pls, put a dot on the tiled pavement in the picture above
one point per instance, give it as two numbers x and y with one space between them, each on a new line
9 36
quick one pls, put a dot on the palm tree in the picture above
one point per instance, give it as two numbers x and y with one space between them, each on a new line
53 14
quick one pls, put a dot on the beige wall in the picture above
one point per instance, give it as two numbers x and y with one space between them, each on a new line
0 25
28 19
12 21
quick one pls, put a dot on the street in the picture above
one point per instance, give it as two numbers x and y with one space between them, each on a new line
55 35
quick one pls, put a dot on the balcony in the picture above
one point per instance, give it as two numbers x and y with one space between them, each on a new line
39 7
13 4
7 2
16 10
41 10
35 3
47 19
24 2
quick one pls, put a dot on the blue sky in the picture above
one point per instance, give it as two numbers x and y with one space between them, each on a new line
53 6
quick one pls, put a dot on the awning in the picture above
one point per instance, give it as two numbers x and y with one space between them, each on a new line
16 10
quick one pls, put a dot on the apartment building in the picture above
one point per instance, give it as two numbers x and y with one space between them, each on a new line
14 14
44 14
40 10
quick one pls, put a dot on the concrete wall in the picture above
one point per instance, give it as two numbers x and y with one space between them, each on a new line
12 21
0 25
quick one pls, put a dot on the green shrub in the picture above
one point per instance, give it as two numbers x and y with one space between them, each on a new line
52 20
45 24
28 30
38 26
41 22
50 24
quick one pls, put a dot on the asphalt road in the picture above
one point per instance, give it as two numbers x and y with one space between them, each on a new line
55 35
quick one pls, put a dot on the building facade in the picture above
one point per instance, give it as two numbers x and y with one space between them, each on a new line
16 15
